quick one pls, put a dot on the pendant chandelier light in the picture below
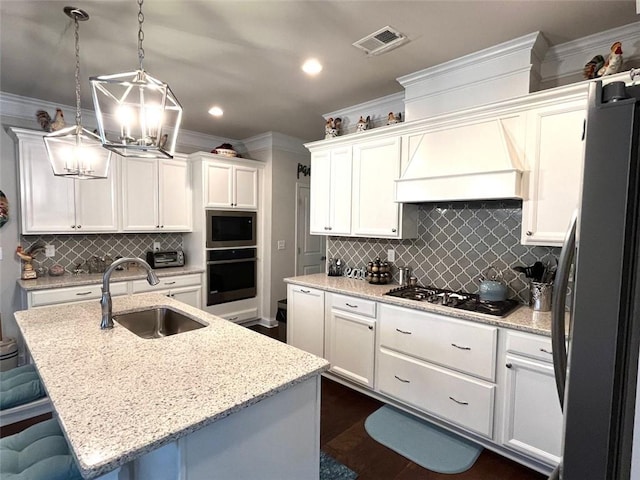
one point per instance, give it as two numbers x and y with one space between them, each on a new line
145 111
74 151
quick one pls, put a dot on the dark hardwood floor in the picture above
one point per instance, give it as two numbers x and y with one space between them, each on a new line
343 436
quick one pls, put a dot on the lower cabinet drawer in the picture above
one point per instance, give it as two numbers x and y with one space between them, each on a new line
177 281
457 344
453 397
39 298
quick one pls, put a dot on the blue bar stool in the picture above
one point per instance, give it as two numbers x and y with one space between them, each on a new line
19 386
38 453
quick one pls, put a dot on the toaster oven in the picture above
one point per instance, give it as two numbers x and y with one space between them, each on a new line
174 258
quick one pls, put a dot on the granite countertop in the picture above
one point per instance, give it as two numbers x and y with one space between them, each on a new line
70 280
523 318
119 396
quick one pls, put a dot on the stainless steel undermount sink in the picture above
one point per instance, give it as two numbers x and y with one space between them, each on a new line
157 322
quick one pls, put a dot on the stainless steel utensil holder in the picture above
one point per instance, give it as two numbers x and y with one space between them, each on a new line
541 296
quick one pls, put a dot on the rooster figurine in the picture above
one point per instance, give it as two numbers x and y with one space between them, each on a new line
591 68
49 125
27 269
614 61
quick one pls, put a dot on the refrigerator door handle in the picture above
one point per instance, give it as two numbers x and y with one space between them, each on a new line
558 327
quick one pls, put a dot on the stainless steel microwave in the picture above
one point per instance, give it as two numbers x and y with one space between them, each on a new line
230 228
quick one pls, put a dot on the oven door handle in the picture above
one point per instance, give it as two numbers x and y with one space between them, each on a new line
239 260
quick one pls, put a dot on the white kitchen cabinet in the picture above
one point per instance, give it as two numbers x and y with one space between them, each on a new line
350 338
331 191
555 156
156 195
231 186
429 361
50 204
376 164
185 288
305 319
532 423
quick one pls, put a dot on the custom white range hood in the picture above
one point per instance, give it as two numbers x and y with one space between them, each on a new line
476 161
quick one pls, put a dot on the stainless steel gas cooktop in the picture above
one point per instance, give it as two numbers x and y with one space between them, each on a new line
459 300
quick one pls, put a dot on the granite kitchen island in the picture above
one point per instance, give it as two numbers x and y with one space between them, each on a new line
217 402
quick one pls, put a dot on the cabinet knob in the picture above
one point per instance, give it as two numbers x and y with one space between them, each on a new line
528 233
393 230
73 226
508 365
79 226
161 226
370 327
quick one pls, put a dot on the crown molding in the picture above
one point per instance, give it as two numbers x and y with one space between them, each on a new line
533 42
275 141
566 61
25 108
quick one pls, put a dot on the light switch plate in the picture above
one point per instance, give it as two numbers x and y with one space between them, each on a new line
49 251
391 255
281 244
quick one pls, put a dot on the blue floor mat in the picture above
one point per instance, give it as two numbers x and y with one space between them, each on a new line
331 469
421 442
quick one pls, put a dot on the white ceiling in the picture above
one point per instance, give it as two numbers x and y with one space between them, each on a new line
246 55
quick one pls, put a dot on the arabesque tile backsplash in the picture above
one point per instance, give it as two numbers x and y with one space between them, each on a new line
73 250
456 242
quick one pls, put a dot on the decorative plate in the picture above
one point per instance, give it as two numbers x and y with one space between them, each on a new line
226 152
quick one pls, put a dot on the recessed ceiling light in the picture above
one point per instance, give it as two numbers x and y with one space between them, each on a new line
312 66
216 111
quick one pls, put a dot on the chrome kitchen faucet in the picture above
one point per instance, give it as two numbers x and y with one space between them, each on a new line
105 301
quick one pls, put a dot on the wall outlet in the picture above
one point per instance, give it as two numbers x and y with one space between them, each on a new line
156 246
281 244
391 255
49 251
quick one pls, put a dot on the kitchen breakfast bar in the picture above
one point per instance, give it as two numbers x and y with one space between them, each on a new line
217 402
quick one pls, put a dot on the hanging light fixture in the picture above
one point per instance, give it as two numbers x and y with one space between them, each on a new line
146 112
74 151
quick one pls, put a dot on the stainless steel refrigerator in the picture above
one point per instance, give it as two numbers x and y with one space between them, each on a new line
601 369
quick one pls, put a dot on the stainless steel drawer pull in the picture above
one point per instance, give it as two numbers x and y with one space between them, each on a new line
461 348
169 283
232 318
351 306
305 291
458 401
402 331
544 350
402 379
83 293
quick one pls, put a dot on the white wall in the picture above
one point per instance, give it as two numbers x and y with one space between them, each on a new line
281 155
9 233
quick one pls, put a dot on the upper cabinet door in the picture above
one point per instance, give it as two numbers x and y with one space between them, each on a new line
219 185
340 191
320 201
97 203
174 195
140 195
245 187
47 201
555 157
375 165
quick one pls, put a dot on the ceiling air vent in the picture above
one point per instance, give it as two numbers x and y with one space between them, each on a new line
381 41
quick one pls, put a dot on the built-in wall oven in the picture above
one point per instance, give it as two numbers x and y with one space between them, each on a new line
231 275
230 229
